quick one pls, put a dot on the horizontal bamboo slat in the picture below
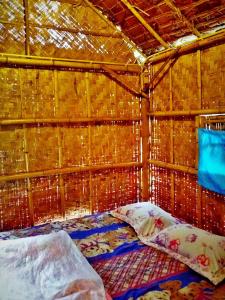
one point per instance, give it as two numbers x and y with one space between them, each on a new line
67 170
175 167
186 113
67 120
22 60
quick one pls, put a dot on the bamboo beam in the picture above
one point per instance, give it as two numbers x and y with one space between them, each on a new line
217 120
170 166
197 125
182 17
145 145
114 76
205 41
76 31
199 188
29 187
24 60
27 28
144 23
172 189
60 148
66 120
88 97
186 113
19 176
162 72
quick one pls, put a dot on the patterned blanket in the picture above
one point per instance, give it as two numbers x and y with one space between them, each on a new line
128 268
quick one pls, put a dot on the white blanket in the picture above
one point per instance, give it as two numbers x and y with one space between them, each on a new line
47 267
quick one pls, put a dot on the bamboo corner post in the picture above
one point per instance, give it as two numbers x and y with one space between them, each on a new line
145 145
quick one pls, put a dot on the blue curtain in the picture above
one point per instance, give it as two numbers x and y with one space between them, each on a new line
211 164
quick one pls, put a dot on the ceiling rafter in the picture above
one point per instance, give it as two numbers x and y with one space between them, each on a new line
178 12
144 23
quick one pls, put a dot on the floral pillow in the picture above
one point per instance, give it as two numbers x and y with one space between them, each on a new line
202 251
146 218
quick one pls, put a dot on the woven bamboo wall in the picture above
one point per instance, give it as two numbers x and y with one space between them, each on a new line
83 158
63 30
70 136
194 84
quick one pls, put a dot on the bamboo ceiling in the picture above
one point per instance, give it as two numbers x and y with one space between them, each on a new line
99 30
153 24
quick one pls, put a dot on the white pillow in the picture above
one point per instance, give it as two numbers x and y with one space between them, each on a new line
146 218
202 251
46 267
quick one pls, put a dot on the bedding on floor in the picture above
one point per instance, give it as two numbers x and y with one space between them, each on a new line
129 269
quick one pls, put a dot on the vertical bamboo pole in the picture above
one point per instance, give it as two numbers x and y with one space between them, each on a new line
27 28
171 145
115 140
29 187
87 84
26 157
197 125
145 143
60 153
150 76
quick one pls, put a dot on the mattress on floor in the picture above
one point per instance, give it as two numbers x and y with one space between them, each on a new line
128 268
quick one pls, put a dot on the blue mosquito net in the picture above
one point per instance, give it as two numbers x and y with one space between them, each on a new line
211 164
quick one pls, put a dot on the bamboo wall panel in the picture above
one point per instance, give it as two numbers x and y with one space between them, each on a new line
14 210
213 212
12 159
60 29
74 145
72 95
197 83
77 194
46 146
129 151
10 93
160 187
12 32
160 140
185 83
103 144
161 93
127 105
42 148
37 93
112 188
186 188
46 198
213 77
103 101
185 151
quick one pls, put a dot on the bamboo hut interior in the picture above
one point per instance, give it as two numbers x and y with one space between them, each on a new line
100 105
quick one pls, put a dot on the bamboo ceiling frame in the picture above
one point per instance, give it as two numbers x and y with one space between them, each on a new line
205 41
144 23
28 60
115 77
182 17
67 29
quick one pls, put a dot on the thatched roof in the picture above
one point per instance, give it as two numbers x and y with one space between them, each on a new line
121 31
153 24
